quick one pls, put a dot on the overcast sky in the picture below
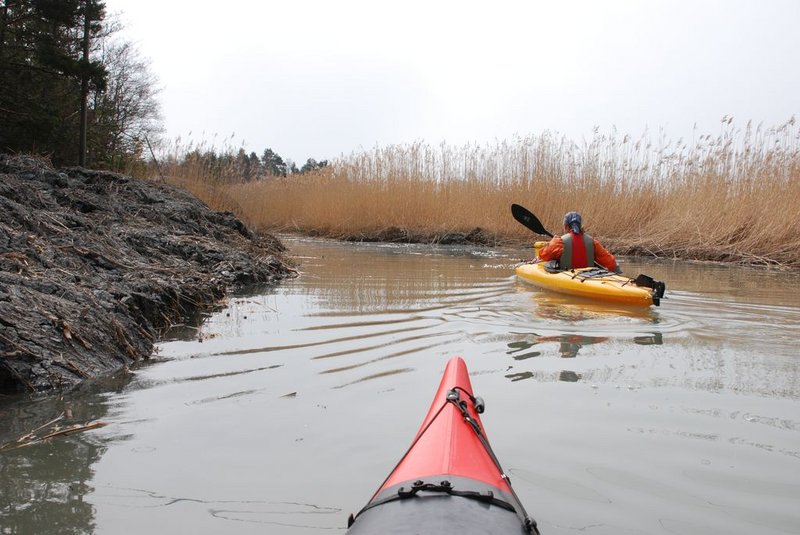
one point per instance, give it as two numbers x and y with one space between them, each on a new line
318 79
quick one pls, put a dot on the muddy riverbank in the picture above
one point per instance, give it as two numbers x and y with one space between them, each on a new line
93 265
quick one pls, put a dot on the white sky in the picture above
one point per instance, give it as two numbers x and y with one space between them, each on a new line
318 79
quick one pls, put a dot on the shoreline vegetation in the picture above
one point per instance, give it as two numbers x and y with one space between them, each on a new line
730 198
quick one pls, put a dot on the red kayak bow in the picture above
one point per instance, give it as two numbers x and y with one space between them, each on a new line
449 479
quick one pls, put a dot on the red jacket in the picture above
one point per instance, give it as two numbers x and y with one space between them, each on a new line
553 250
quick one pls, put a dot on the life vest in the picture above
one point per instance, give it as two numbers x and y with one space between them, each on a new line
577 253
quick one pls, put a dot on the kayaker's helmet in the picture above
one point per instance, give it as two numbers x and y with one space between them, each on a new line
573 221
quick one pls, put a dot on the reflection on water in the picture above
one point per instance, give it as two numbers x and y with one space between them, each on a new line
569 377
283 412
568 347
43 485
552 305
654 339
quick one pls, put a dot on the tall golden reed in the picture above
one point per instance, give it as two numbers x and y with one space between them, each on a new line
732 197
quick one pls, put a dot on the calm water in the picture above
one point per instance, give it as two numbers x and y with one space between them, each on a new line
285 410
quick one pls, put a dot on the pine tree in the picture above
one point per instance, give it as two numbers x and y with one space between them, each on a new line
42 66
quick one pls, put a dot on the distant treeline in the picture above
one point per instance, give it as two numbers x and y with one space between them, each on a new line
229 167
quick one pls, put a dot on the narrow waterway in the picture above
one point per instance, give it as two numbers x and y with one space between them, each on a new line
286 409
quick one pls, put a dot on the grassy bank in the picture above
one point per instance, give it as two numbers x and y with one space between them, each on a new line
732 197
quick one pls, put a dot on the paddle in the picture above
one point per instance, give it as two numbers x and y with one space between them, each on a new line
524 216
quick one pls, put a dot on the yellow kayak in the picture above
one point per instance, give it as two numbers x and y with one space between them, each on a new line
592 283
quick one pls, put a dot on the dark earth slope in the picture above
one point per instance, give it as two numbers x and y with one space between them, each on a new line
93 265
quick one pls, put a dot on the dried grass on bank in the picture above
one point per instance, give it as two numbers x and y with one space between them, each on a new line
729 198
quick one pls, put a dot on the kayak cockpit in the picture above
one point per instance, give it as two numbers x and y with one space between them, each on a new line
440 504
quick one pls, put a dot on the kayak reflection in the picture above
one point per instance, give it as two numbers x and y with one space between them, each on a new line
569 345
567 376
551 305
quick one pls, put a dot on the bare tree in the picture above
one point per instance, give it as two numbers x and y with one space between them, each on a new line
127 113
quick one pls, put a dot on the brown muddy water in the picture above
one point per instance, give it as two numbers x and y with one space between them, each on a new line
285 411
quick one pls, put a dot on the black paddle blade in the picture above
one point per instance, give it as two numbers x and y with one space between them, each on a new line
530 221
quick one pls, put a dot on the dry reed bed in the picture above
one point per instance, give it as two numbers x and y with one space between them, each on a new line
731 198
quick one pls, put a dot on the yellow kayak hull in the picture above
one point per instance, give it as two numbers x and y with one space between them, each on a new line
609 287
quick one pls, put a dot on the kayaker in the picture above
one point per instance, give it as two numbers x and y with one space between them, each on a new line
576 249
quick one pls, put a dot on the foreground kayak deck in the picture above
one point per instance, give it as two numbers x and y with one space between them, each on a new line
591 283
449 480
